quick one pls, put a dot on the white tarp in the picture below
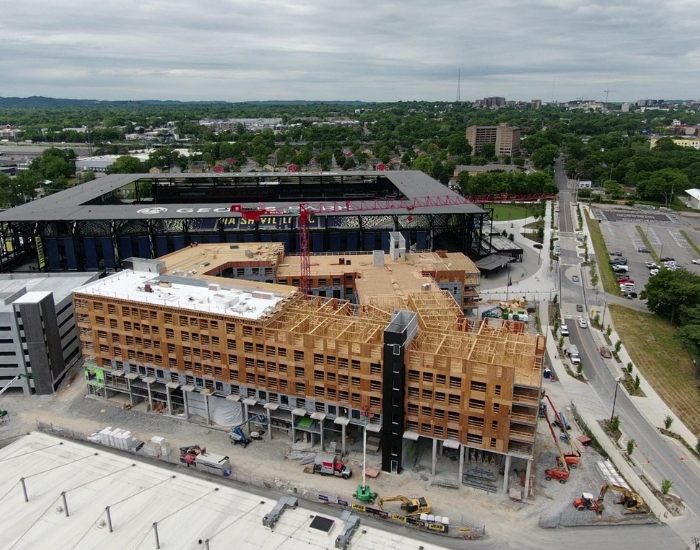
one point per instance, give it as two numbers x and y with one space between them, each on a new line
225 412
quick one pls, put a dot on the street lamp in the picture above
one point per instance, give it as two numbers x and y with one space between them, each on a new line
617 385
602 321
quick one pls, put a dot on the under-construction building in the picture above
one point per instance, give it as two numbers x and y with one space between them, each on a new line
386 344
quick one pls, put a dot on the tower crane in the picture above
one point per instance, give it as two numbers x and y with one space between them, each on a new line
608 92
305 210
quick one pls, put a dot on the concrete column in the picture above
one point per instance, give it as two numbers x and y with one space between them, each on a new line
342 440
269 424
245 412
527 477
206 406
461 464
170 402
506 474
186 403
150 397
435 445
320 423
293 434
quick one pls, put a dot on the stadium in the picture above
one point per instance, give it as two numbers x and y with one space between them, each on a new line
96 225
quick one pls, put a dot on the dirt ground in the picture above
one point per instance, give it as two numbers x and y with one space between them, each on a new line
71 408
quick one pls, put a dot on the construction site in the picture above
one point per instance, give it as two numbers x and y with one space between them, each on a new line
388 346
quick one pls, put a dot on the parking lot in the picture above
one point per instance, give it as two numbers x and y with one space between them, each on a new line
663 231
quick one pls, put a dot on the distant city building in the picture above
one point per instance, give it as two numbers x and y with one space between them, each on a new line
506 138
682 142
230 124
536 103
625 108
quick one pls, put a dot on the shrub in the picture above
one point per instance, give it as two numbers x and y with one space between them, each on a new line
630 447
561 341
618 346
615 424
668 420
637 382
697 445
666 485
511 237
596 319
630 366
608 330
579 369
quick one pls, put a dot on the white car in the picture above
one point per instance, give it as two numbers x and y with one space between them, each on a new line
654 272
564 330
652 265
582 322
696 261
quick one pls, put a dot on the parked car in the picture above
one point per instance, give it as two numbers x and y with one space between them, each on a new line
625 280
696 261
651 265
629 294
537 245
667 260
605 352
643 249
616 253
654 272
579 307
564 330
575 279
582 322
621 268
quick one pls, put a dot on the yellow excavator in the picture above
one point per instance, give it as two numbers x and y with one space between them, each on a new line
629 499
411 506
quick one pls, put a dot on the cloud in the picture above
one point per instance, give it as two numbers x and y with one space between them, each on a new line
241 50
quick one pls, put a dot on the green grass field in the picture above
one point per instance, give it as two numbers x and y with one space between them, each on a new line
508 212
662 361
607 275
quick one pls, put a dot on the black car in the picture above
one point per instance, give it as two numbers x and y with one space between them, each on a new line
619 261
537 245
616 253
643 249
666 260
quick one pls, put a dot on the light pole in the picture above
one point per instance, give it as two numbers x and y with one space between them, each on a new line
617 385
602 321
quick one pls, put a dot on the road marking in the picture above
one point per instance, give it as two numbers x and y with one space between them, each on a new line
652 236
680 239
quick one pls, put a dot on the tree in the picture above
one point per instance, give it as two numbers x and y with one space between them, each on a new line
423 163
630 447
668 420
615 424
126 165
545 157
349 163
661 185
668 291
488 151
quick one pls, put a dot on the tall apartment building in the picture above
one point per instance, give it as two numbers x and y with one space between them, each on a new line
38 335
506 138
171 335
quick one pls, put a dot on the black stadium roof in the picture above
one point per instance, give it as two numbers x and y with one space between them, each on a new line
81 202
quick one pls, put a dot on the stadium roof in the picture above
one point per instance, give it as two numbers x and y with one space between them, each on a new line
81 202
187 509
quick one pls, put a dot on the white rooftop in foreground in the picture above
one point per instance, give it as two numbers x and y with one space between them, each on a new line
186 508
226 297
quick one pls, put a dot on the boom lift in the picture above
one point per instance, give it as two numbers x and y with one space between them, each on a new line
238 436
572 458
412 506
561 472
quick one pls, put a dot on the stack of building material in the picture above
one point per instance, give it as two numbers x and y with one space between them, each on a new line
156 447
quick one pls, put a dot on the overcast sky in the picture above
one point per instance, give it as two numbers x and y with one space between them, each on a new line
380 50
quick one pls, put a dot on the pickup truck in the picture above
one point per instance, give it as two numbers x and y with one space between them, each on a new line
328 464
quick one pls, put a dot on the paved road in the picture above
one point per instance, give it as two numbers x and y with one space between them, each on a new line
664 454
566 224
